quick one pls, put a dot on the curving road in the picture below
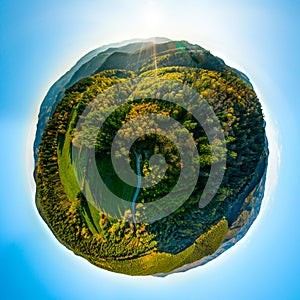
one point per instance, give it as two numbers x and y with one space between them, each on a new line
138 187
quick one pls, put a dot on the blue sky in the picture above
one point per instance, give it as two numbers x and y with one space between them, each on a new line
40 40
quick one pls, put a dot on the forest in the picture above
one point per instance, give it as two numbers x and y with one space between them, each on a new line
187 234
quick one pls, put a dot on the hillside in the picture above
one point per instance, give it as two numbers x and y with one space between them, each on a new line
81 215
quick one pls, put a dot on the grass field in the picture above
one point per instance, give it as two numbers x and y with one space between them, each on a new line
71 185
72 188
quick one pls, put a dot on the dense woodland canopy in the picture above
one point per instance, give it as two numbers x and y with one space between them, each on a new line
189 233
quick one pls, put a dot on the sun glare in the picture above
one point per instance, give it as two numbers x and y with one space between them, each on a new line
151 16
